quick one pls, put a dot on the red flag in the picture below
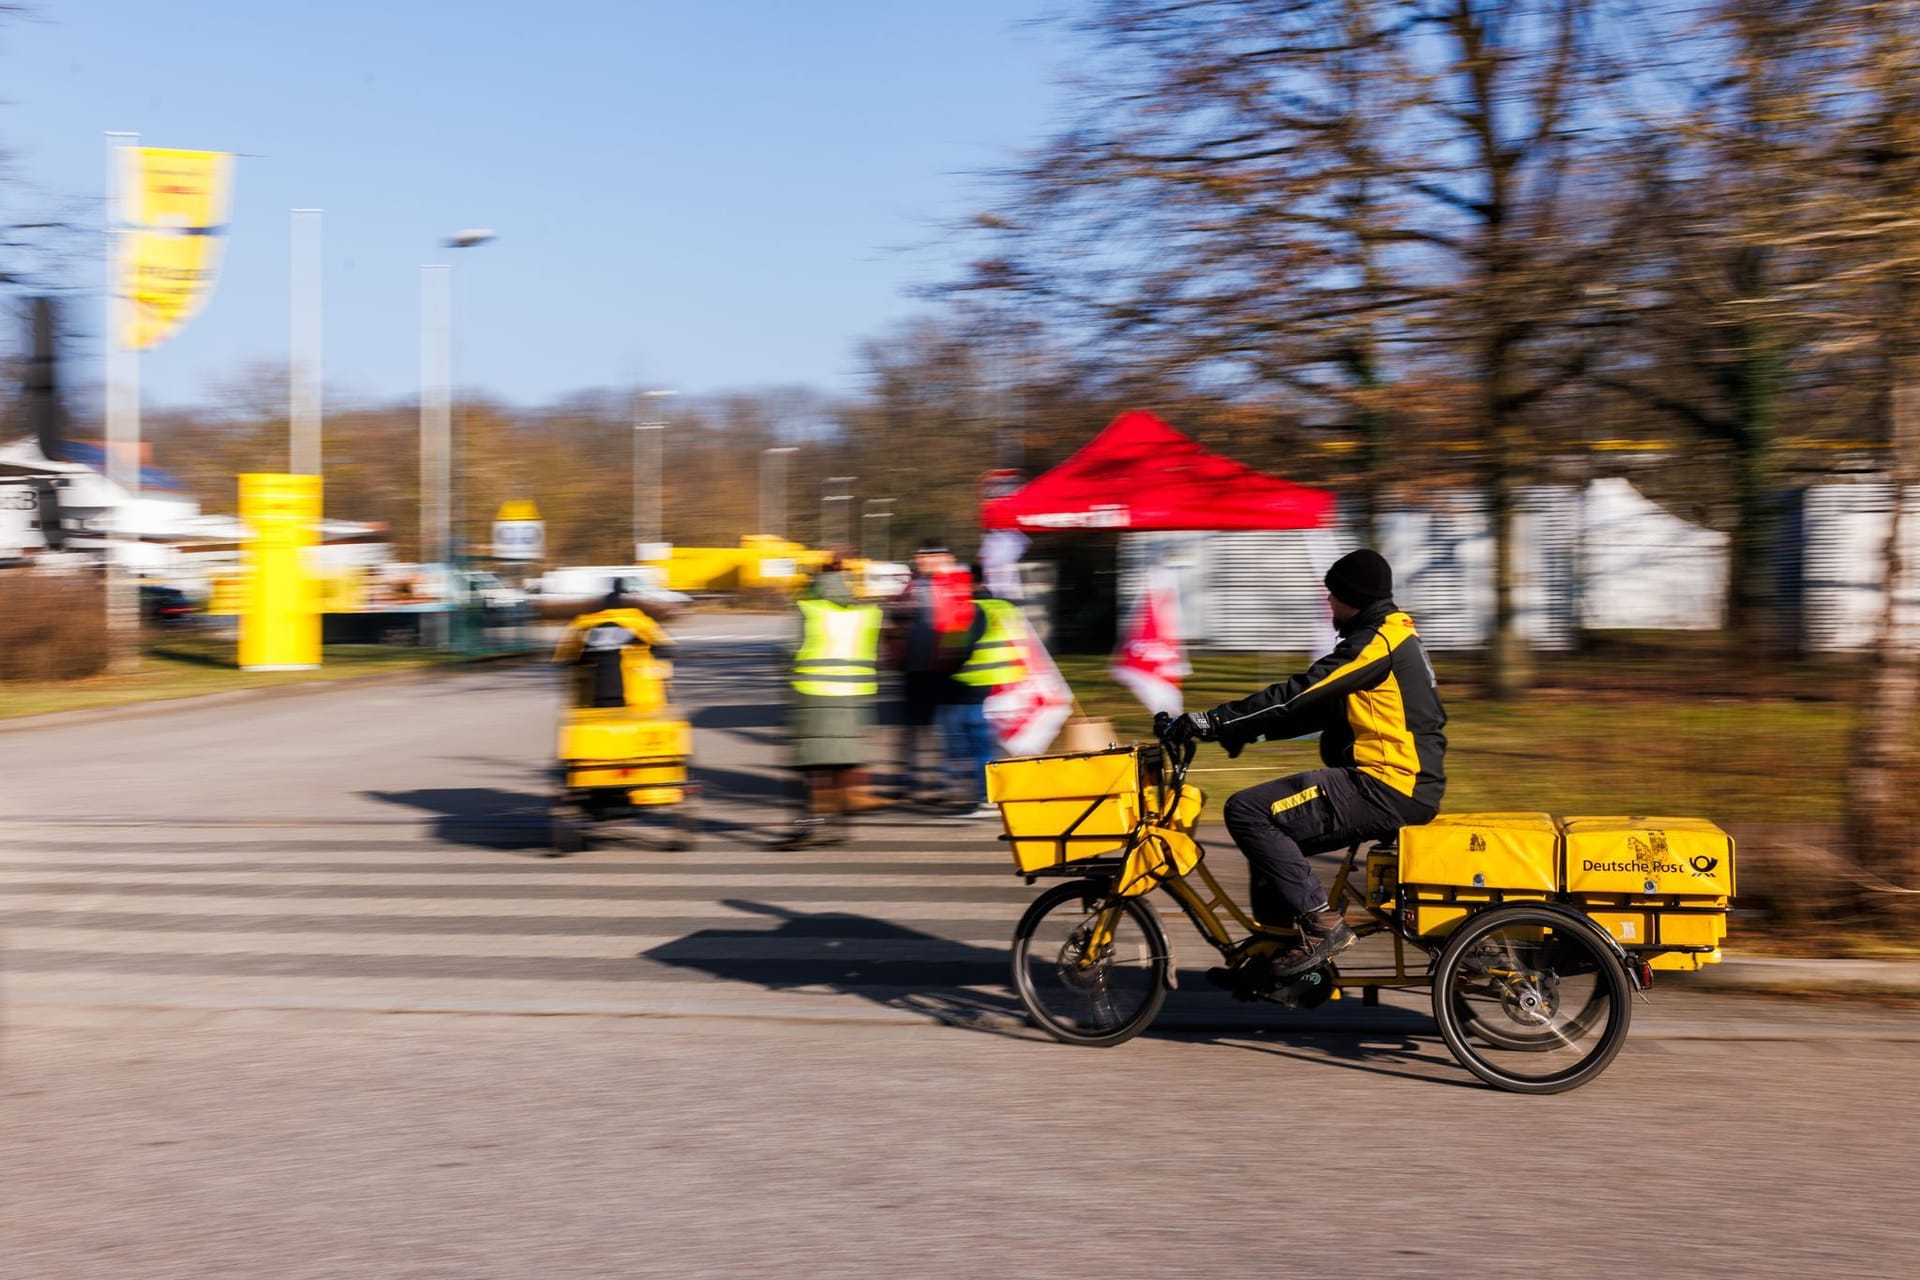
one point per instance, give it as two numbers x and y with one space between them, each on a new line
1150 660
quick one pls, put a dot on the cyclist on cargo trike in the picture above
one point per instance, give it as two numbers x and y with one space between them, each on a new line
1376 705
1533 932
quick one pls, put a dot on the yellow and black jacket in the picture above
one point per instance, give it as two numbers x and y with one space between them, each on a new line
1373 700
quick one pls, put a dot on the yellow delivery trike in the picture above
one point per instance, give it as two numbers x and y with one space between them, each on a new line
624 752
1533 934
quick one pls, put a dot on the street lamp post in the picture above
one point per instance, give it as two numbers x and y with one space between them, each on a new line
649 425
773 489
876 517
304 345
437 534
836 505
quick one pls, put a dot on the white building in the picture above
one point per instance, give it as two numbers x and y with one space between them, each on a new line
160 534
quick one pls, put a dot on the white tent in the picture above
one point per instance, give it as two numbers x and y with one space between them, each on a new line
1603 557
1644 567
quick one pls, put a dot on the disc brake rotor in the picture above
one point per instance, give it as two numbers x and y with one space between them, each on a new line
1076 971
1532 1000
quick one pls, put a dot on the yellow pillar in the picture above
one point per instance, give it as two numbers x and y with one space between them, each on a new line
280 623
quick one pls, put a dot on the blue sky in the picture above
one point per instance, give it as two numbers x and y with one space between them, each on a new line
702 196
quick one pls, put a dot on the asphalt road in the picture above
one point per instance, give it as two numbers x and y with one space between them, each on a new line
291 992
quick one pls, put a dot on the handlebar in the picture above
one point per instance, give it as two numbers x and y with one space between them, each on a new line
1178 760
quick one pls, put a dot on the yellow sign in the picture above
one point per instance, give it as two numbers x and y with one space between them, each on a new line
172 220
280 620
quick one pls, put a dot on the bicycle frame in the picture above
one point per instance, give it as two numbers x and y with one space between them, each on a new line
1213 910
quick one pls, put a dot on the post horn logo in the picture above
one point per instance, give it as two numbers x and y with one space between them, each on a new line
1702 864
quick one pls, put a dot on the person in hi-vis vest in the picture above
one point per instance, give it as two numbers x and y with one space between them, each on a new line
994 658
834 683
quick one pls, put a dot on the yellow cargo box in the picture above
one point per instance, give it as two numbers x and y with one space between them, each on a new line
1434 912
1685 858
1064 776
1482 851
1434 919
1647 929
615 735
1064 808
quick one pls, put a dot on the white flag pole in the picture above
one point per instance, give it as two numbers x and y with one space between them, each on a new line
123 422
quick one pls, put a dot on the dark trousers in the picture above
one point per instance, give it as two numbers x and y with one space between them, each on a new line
920 694
1277 824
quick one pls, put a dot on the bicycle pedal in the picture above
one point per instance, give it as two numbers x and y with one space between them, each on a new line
1307 990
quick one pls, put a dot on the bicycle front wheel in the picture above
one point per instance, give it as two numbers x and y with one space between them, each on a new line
1090 968
1531 1000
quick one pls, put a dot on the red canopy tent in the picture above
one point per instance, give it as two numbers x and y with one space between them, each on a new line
1142 474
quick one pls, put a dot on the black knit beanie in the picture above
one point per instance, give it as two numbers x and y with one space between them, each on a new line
1361 578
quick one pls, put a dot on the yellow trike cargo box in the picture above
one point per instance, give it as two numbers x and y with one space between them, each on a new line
1462 862
1063 808
1655 884
620 735
1686 858
1516 851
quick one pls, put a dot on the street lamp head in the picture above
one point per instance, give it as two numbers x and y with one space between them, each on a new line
469 238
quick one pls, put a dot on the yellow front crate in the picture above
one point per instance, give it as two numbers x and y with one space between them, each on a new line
1064 808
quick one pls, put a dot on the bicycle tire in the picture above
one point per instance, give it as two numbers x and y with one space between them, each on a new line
687 825
1569 950
1089 987
567 836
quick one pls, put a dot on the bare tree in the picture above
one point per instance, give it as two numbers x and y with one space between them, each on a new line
1719 331
1335 198
1878 218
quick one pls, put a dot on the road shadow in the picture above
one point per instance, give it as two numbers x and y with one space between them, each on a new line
722 785
481 817
963 985
811 950
1401 1055
739 715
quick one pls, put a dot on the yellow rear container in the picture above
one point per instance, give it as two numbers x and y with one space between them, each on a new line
1650 857
1063 808
1653 883
1461 862
616 735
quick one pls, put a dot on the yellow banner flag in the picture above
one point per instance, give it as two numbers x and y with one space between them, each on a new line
173 218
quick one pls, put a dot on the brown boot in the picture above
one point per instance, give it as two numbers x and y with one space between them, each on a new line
1323 935
859 793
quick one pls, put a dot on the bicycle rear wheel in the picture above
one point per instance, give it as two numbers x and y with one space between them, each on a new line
1531 1000
1090 968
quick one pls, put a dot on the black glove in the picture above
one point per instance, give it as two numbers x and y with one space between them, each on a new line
1191 726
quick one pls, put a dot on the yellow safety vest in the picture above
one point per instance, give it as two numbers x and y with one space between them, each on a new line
839 650
997 659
